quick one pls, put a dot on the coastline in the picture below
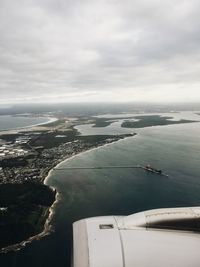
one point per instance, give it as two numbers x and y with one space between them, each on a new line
83 152
48 228
18 129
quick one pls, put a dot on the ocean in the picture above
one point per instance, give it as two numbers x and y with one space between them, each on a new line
84 193
8 122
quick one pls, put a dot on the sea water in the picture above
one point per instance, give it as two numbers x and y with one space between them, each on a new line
84 193
8 122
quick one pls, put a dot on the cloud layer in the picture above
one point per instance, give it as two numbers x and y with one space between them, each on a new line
107 50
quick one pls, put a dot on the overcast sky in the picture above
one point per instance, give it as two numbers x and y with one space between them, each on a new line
99 50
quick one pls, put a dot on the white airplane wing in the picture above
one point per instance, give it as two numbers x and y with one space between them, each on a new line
155 238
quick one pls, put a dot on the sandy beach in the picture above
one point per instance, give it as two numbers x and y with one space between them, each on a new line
48 228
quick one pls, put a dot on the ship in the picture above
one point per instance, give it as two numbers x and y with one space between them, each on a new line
149 168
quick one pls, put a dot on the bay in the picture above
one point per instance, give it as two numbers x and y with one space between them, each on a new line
8 122
84 193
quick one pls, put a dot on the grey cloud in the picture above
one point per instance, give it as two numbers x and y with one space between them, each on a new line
64 49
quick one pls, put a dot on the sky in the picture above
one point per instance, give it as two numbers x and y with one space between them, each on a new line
99 51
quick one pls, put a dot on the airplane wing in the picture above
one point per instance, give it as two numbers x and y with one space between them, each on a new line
154 238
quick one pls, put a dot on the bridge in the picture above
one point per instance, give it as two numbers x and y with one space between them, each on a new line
109 167
99 167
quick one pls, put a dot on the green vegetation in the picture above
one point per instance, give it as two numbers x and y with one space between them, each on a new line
97 139
25 210
9 137
13 162
49 139
152 120
54 123
24 206
143 121
102 122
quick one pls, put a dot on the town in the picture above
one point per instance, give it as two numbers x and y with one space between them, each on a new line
22 159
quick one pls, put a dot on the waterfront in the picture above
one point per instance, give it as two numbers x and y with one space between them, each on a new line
174 149
25 161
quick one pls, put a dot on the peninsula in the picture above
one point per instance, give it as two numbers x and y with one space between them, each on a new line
26 157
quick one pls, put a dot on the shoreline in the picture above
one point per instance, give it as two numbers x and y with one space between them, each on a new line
18 129
83 152
48 228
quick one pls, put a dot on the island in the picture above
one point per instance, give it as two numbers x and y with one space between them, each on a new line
136 121
152 120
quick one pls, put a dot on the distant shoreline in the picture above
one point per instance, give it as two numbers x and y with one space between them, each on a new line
50 120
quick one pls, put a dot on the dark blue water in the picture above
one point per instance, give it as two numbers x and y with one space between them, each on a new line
175 149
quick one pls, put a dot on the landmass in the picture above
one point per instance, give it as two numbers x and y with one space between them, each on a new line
141 121
23 212
152 120
26 157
